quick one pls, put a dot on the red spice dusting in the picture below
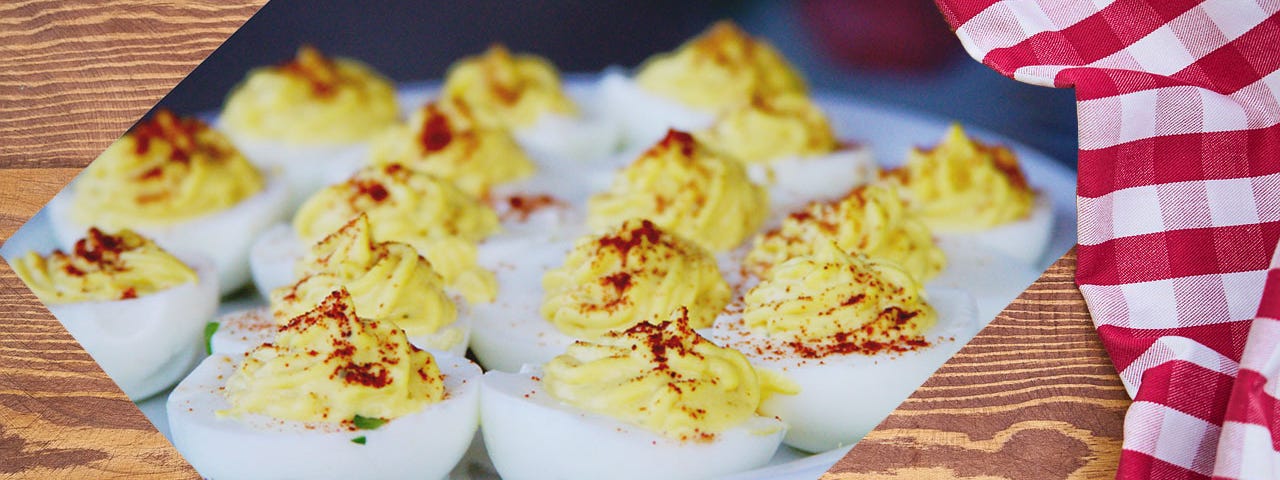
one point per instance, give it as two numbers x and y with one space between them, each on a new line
319 71
665 339
901 317
152 173
343 350
98 244
422 374
292 296
918 342
369 375
852 300
677 139
129 293
394 169
347 423
885 335
436 133
698 436
625 241
99 250
370 188
842 343
338 306
179 132
377 192
520 207
801 216
620 281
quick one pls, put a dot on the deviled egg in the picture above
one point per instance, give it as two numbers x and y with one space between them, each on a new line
687 89
332 396
964 189
311 117
652 401
181 184
403 205
856 334
687 189
871 220
522 93
388 281
445 139
138 310
633 272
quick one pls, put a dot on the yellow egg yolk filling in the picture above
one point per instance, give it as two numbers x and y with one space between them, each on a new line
505 90
403 205
166 170
329 365
312 99
768 129
388 281
871 220
686 189
663 377
721 68
962 185
831 302
102 267
633 273
443 139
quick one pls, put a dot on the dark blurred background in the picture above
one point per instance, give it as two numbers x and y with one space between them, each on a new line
896 52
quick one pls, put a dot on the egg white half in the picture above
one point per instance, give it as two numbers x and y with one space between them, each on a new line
563 183
272 257
643 117
424 444
306 168
510 332
239 332
578 138
529 434
223 237
842 397
145 344
1024 240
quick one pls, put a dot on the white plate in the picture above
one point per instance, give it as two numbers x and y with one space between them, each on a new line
890 132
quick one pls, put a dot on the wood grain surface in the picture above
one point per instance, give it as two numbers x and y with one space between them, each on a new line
1033 396
73 77
60 416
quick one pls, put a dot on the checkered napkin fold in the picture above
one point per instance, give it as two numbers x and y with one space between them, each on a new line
1179 209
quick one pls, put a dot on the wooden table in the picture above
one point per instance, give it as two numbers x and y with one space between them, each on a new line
1033 396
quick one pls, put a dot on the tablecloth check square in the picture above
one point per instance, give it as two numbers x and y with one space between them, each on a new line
1178 201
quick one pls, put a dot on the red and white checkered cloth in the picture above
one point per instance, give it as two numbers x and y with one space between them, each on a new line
1179 209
